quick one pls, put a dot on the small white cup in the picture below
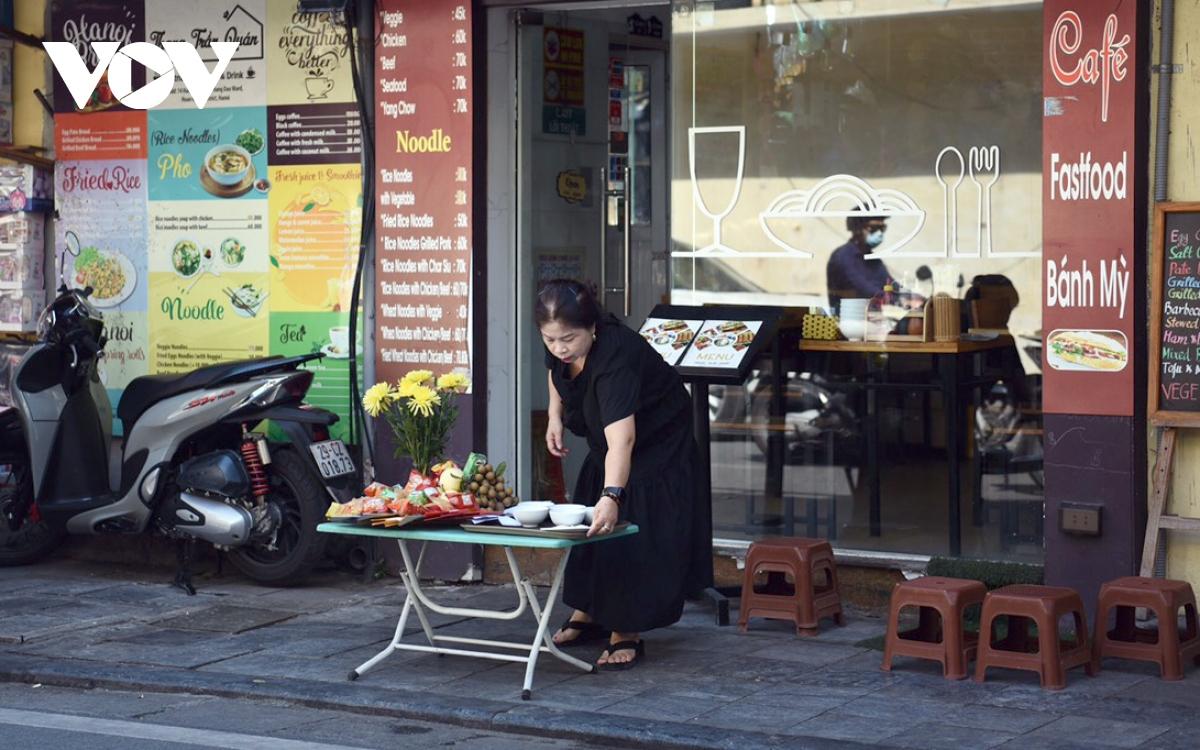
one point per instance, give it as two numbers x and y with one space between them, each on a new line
339 338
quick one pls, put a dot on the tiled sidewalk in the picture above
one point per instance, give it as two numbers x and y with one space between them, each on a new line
701 686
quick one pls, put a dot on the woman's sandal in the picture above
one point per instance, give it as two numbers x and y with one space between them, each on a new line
589 632
637 647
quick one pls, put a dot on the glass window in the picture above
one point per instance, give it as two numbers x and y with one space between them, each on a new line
881 150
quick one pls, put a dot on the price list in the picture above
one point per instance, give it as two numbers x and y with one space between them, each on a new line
111 136
423 187
1179 344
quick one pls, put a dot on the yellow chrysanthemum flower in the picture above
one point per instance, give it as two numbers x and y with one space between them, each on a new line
377 398
404 388
423 400
419 377
454 381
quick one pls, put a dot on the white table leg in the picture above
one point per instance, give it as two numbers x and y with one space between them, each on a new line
411 603
411 578
543 620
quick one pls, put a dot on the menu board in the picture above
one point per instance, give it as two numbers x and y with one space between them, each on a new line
1175 315
225 232
423 198
717 349
722 344
670 338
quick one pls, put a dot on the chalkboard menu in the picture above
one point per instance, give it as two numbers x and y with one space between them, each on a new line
1175 316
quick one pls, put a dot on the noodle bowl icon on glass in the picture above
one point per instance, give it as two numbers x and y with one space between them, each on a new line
840 196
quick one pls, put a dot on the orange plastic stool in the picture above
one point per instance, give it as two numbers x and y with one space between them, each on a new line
807 603
944 642
1167 646
1045 605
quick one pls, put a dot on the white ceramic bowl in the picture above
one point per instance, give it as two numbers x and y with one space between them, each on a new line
529 514
854 330
567 515
228 179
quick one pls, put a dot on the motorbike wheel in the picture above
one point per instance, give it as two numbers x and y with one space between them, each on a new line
35 539
301 498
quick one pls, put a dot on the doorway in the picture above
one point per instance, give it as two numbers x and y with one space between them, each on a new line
589 105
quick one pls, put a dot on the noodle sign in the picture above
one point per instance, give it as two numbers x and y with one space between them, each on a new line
166 61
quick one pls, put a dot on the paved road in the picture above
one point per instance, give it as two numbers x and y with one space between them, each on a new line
41 717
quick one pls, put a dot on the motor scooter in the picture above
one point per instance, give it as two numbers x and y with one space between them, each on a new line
191 467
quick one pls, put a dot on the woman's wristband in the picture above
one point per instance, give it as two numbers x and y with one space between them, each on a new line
616 493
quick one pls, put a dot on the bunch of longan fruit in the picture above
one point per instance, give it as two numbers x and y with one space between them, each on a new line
490 491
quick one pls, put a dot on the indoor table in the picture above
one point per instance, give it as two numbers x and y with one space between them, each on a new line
951 376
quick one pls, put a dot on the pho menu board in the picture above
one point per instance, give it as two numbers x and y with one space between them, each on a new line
1175 315
423 197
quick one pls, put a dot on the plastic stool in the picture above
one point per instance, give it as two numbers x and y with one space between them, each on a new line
1044 605
1167 646
807 603
944 642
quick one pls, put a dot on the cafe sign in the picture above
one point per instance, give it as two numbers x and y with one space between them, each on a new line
1091 267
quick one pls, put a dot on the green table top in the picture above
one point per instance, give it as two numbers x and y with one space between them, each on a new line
458 536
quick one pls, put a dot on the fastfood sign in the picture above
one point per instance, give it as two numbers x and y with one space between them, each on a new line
166 61
1091 268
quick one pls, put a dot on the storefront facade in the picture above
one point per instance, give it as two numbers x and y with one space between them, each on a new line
752 132
715 152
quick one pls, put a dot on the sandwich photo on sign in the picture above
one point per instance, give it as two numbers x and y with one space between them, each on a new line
1077 350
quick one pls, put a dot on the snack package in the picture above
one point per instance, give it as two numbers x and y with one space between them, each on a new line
374 505
374 489
416 482
474 461
352 508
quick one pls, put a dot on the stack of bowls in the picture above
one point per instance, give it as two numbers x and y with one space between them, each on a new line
853 318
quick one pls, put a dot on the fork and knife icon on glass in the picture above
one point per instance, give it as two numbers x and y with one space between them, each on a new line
982 166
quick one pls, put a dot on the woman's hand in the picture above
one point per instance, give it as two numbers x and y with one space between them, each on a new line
604 518
554 438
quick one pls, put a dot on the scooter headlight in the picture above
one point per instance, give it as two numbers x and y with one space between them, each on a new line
45 324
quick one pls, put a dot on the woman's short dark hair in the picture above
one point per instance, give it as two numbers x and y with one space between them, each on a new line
567 301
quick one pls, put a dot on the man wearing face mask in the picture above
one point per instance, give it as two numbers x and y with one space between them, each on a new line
849 275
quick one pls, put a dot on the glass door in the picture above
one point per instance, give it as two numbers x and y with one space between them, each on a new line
591 134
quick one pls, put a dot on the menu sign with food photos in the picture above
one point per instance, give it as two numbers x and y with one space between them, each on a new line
423 150
721 343
1175 315
670 338
219 233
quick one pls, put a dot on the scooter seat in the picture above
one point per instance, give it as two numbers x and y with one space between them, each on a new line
147 390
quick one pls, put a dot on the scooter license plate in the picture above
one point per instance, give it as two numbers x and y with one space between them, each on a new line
333 460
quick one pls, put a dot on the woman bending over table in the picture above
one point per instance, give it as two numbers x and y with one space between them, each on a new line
607 384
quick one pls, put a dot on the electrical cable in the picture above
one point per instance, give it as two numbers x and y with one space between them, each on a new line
358 415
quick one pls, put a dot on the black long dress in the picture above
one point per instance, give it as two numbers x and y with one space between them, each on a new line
636 583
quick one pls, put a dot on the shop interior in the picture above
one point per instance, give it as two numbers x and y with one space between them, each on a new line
750 109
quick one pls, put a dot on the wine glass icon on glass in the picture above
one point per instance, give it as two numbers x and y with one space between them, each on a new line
717 247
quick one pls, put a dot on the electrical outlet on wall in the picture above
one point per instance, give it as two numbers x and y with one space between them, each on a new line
1080 519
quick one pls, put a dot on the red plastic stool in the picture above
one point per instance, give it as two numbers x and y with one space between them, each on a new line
1167 646
942 641
1045 605
807 603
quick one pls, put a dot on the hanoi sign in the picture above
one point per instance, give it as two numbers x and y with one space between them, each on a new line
115 63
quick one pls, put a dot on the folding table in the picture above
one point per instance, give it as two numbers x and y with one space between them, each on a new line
417 601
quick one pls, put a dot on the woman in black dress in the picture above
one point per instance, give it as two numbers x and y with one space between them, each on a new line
609 385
